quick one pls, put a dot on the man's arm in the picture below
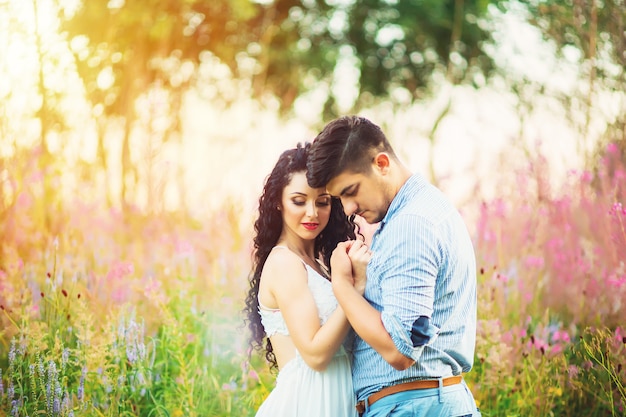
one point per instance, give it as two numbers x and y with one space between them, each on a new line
365 319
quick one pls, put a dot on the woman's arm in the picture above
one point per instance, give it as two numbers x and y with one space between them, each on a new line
288 281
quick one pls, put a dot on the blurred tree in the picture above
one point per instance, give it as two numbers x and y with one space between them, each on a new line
31 120
357 50
597 31
395 47
400 44
285 46
125 49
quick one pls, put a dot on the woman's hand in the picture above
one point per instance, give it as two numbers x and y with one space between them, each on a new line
341 265
360 256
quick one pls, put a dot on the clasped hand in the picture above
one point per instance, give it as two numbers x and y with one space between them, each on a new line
349 263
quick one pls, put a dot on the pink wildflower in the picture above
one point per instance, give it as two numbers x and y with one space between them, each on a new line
561 335
232 386
617 209
253 375
24 201
586 176
499 208
35 177
120 270
35 310
556 349
184 249
616 281
538 344
534 261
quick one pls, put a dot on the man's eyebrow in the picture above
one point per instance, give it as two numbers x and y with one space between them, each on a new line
347 189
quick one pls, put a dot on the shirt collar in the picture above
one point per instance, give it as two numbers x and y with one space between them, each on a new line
406 192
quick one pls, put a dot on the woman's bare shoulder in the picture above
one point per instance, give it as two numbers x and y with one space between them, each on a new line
283 265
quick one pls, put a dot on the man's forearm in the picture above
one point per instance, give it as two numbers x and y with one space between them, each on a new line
366 322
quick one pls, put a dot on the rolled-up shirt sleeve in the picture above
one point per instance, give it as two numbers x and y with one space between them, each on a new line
411 266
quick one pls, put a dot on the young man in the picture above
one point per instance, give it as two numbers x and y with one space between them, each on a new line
416 322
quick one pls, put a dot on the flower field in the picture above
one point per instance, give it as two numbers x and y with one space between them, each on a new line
104 313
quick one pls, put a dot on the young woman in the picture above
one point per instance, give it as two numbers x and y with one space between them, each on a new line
291 302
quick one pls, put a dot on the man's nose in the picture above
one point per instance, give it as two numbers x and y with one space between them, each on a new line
349 207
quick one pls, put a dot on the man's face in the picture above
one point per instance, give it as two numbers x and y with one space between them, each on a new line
366 195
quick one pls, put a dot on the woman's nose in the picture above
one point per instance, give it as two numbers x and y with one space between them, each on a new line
311 210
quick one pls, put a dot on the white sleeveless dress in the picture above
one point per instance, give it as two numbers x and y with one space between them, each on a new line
300 391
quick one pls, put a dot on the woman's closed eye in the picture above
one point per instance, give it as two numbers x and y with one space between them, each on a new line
324 202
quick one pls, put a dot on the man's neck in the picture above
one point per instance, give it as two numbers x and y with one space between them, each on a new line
401 176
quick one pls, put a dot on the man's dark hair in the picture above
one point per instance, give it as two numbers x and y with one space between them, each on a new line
345 144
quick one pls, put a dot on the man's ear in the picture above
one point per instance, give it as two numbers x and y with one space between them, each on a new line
381 162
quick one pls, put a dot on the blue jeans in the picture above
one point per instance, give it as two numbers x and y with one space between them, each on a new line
452 401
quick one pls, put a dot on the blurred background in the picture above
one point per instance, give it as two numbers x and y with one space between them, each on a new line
166 106
135 137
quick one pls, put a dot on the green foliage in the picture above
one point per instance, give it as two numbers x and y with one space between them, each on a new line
285 47
118 367
595 28
601 353
402 44
85 333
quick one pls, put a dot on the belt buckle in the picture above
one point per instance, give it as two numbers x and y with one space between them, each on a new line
360 407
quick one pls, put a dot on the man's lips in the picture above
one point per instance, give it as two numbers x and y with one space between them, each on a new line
310 226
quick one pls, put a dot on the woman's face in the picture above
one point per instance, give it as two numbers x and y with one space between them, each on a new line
305 210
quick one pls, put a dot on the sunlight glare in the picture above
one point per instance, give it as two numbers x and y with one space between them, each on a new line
106 78
116 4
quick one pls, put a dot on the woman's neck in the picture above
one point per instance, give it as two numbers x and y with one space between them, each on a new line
303 249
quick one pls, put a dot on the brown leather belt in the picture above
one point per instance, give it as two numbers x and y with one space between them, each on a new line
407 386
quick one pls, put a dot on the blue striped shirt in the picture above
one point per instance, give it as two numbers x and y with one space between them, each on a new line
422 278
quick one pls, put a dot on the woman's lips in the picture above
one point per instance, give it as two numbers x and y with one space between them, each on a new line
310 226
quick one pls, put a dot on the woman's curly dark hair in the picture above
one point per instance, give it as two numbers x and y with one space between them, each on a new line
268 227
